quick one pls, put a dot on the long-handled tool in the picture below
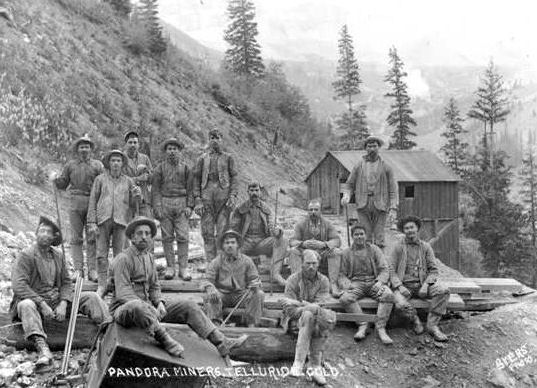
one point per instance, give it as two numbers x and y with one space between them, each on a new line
235 308
58 216
272 259
72 324
347 224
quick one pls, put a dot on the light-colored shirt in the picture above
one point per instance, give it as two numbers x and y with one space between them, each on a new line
371 173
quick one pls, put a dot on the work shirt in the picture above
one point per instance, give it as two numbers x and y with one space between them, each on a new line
371 172
172 180
362 269
78 176
133 276
213 167
412 263
111 198
131 170
257 227
231 274
363 265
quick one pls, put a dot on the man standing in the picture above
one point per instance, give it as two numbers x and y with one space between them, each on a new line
77 177
232 277
259 235
415 274
374 188
365 272
42 289
137 299
112 197
172 205
317 233
138 167
215 192
304 291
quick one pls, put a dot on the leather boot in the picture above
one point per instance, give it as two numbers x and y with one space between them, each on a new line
102 274
317 371
418 326
172 346
170 260
182 255
362 332
383 314
225 344
433 329
45 356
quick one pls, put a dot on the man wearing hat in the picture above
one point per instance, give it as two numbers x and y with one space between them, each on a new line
415 274
215 192
233 280
172 203
137 300
42 288
138 167
304 292
259 235
373 185
112 199
317 233
77 177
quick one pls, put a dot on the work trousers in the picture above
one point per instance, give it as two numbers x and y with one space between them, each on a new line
269 246
252 304
106 230
214 220
32 322
358 290
137 313
437 293
174 225
78 212
374 221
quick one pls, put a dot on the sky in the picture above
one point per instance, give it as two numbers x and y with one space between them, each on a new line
454 32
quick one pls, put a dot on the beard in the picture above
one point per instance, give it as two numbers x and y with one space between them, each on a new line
173 159
44 241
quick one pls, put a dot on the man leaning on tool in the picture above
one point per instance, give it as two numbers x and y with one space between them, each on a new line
172 204
253 220
304 291
138 167
137 299
365 272
232 278
317 233
77 177
415 274
42 288
374 188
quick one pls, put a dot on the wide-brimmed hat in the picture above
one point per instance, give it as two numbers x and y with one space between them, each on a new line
403 221
55 229
231 233
376 139
131 132
173 140
141 221
109 154
83 139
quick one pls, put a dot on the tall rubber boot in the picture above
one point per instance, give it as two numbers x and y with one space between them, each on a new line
91 258
433 329
102 272
334 263
279 251
302 347
355 308
172 346
383 314
182 255
315 360
170 260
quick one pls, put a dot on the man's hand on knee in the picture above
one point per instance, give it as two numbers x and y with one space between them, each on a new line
212 294
161 311
61 311
46 310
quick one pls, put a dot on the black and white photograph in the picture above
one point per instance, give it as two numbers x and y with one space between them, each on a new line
268 193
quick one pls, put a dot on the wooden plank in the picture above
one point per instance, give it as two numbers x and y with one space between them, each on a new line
278 314
463 285
497 284
484 304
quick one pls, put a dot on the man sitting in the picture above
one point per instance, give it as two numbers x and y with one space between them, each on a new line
232 278
42 289
415 274
137 299
304 291
365 272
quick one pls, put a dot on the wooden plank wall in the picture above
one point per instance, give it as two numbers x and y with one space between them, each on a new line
324 183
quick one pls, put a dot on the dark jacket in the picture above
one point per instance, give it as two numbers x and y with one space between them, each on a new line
428 272
227 173
231 276
328 233
172 181
242 218
28 272
385 189
381 269
78 176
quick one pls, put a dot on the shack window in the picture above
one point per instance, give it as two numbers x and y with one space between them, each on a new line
409 191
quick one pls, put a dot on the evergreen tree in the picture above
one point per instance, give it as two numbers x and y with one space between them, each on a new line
490 106
455 149
149 16
401 115
123 7
346 87
528 175
244 55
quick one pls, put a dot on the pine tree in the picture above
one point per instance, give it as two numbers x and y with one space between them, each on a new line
401 115
149 16
244 55
346 87
455 149
528 175
123 7
490 106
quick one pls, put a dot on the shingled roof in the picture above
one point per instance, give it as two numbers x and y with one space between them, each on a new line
408 166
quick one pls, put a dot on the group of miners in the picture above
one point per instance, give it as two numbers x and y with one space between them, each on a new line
119 199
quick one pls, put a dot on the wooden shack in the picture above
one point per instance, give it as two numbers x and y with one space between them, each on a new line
426 188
